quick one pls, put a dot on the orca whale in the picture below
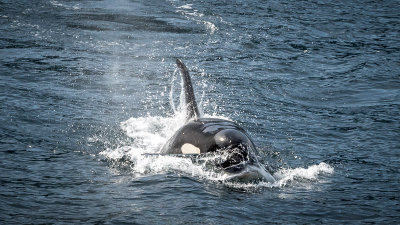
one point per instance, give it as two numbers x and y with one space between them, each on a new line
202 136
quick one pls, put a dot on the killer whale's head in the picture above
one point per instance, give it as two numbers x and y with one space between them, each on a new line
238 150
239 159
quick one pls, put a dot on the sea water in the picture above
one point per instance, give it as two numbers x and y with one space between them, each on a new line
89 92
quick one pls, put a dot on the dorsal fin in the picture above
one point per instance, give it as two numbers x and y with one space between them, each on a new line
191 105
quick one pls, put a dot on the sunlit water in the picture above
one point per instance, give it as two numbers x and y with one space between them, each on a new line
89 93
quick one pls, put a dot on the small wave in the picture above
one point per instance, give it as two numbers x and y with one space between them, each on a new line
58 4
210 26
187 6
285 176
194 15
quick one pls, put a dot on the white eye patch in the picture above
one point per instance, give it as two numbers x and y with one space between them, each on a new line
190 149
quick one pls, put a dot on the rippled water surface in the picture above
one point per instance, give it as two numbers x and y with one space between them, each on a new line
89 93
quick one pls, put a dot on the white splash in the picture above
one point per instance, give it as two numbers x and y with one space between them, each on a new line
150 133
284 176
58 4
187 6
210 26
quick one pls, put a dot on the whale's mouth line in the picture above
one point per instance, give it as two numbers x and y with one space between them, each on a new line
237 164
249 173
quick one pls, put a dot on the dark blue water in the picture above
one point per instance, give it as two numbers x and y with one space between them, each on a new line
87 89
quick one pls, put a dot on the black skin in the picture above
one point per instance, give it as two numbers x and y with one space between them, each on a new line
213 136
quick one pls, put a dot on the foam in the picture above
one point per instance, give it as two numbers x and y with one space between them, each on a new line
285 176
187 6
